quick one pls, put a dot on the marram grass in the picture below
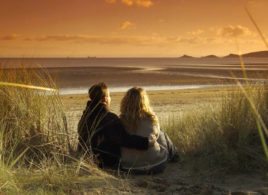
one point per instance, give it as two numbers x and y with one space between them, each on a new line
31 118
225 134
34 144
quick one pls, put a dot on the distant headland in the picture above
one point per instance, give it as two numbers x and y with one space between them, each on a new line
257 54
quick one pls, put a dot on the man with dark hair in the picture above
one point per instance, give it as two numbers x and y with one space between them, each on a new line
101 132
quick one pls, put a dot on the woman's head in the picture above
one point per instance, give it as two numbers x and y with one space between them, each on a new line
99 93
135 106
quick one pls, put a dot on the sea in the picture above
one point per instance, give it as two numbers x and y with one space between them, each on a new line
76 75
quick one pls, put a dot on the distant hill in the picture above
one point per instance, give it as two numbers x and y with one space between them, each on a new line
258 54
210 57
186 57
231 56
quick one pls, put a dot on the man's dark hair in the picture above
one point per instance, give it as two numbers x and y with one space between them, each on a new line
97 92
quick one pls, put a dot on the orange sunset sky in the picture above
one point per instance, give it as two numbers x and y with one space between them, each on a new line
129 28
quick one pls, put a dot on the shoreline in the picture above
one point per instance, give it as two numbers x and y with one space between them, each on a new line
152 88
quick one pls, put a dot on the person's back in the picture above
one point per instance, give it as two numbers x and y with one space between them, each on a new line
101 132
139 119
155 155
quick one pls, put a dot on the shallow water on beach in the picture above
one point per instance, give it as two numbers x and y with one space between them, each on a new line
75 76
76 91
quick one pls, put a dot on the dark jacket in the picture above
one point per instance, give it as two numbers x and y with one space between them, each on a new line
102 133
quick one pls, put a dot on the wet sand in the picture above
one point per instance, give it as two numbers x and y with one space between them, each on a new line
82 73
150 76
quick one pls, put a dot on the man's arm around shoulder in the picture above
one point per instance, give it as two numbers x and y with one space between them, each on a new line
118 135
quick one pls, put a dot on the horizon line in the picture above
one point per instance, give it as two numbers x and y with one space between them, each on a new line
115 57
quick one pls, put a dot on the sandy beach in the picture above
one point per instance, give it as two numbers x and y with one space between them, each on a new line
176 100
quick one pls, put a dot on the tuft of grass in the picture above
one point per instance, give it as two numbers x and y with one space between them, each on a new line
49 178
232 134
31 121
8 181
35 148
224 134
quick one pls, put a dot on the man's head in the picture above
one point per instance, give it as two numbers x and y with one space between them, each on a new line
99 93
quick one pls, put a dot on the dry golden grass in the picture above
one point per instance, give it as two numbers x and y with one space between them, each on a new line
32 121
34 144
225 134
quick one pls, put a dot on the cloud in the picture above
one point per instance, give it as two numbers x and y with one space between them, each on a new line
154 39
234 31
127 25
9 37
133 40
59 38
128 2
141 3
213 35
108 40
196 32
110 1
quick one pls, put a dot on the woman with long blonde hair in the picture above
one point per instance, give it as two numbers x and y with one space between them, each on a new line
138 118
135 106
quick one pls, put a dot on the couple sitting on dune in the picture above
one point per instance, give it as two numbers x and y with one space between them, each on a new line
132 142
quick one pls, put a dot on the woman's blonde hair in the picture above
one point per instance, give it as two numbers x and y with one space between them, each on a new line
135 106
